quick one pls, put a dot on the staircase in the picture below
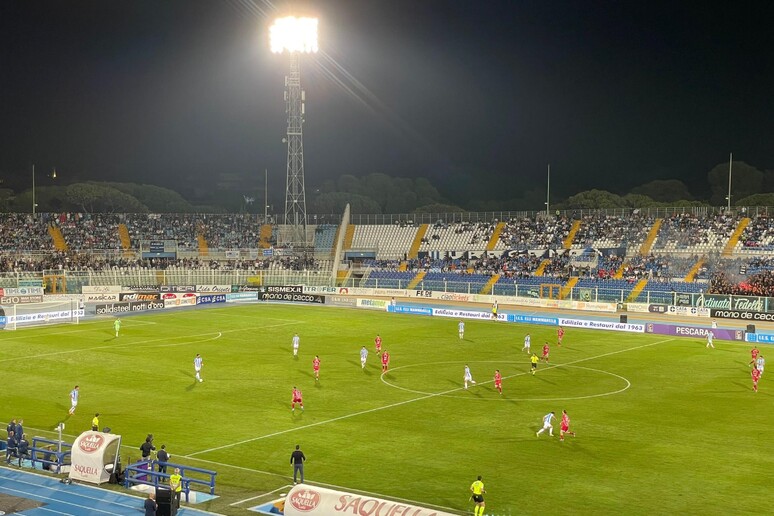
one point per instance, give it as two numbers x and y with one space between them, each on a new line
421 232
567 287
495 236
58 238
342 276
264 237
123 235
403 267
486 289
542 267
638 288
694 271
647 245
349 236
735 236
204 249
416 279
567 244
619 273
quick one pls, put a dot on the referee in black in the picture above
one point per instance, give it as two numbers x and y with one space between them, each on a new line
297 459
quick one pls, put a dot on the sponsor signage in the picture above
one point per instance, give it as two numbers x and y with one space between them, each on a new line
179 301
466 314
341 301
693 331
44 316
742 315
290 296
21 291
531 319
18 300
417 310
321 290
245 288
241 296
156 246
211 289
144 306
740 303
91 452
100 298
112 308
139 296
602 325
453 296
140 288
688 311
209 299
101 289
287 289
374 304
304 499
177 288
126 307
761 338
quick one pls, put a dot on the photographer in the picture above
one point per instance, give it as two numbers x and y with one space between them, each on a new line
147 447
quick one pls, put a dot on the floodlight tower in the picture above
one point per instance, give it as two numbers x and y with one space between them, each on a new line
295 36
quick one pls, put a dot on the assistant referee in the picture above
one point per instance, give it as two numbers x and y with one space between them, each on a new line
477 488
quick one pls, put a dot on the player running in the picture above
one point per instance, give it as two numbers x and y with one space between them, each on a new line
316 367
527 343
760 363
564 427
461 329
385 361
74 394
498 381
468 378
546 350
477 488
534 359
363 357
756 375
559 335
198 364
754 355
378 345
297 398
117 326
296 343
710 336
547 425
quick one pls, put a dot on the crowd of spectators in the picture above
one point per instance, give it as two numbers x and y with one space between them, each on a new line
759 284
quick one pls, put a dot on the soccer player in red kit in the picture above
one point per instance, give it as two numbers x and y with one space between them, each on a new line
316 367
756 375
545 352
378 344
565 426
559 335
498 380
296 399
754 354
385 361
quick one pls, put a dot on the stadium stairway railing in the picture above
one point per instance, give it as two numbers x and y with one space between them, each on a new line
487 288
735 236
490 246
567 244
144 472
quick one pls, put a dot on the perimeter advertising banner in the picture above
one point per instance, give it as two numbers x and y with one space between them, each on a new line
304 499
602 325
22 291
94 455
693 331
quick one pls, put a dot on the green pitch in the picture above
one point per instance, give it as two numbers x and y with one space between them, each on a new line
664 426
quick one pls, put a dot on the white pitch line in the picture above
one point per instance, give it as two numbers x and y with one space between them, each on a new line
260 495
397 404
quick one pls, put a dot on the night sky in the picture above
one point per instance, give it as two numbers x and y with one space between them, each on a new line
477 96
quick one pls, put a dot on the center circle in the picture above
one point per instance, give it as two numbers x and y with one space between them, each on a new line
508 377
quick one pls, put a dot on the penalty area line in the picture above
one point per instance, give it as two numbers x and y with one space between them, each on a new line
393 405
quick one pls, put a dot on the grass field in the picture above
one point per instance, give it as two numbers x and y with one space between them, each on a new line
664 426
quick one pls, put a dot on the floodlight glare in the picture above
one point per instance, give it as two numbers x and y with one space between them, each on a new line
293 34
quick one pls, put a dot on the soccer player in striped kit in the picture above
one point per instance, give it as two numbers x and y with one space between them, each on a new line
198 363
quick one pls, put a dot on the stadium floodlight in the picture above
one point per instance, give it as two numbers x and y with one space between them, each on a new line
294 35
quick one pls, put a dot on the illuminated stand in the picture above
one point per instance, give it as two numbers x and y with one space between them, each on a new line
294 36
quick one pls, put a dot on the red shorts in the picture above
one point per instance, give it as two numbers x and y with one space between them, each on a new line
565 428
498 384
297 400
316 368
545 354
